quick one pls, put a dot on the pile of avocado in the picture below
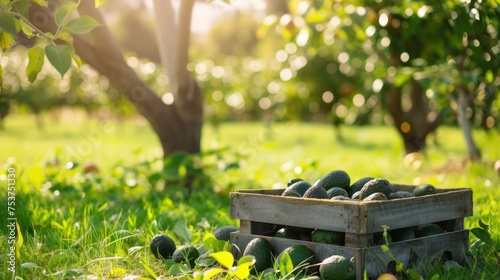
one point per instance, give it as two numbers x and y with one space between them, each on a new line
336 185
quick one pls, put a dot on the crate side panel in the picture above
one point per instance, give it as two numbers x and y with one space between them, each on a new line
371 259
406 212
353 217
299 212
421 250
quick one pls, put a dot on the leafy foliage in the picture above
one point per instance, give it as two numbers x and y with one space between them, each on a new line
336 61
14 17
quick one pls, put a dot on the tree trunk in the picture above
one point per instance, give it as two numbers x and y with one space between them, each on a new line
417 123
462 105
175 131
174 50
465 124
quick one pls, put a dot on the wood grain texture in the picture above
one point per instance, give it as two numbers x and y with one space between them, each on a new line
372 259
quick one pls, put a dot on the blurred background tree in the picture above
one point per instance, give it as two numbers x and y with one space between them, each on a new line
414 65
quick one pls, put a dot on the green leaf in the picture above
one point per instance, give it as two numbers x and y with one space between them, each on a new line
197 275
403 76
65 36
81 25
270 276
413 274
62 13
149 270
177 270
246 259
98 3
19 241
204 260
42 3
213 244
224 258
242 270
29 265
285 265
60 57
36 57
22 7
399 266
8 23
483 225
182 231
27 29
208 240
6 40
483 235
211 273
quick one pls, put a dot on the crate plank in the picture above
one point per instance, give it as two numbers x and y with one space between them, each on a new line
300 212
321 251
405 212
426 248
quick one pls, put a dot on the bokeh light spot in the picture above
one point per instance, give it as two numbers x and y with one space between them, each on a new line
405 127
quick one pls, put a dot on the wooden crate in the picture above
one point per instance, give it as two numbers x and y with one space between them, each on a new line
259 211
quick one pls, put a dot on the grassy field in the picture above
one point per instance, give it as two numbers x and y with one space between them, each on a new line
76 224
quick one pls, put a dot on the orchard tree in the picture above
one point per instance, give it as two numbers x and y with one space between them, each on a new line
76 31
408 55
440 49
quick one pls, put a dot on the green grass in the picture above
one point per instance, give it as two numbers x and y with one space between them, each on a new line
83 224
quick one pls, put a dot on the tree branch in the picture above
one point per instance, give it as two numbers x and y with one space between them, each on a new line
166 34
183 37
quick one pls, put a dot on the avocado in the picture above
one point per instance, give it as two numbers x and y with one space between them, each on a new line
186 254
316 192
428 230
162 246
336 178
358 185
290 192
400 194
224 232
261 249
300 256
300 187
340 197
375 196
336 191
402 234
328 237
285 232
355 196
424 189
376 185
337 267
293 181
